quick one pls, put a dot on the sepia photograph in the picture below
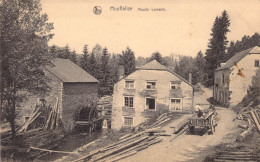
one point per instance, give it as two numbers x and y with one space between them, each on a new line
129 80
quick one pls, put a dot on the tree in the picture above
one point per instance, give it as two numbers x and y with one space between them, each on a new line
84 60
64 52
184 67
198 70
245 43
105 74
25 33
158 57
127 59
97 51
113 66
93 66
73 57
217 45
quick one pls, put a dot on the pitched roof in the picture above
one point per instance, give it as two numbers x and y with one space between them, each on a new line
67 71
239 56
155 65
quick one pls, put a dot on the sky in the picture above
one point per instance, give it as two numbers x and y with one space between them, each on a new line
183 27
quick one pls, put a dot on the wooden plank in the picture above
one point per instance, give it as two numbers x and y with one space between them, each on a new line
121 148
243 126
124 156
32 120
134 148
161 116
46 150
255 120
257 115
163 122
237 152
125 136
242 136
28 121
58 113
48 121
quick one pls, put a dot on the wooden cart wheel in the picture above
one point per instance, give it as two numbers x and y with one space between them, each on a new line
191 128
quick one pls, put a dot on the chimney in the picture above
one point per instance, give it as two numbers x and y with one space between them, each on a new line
190 78
121 71
222 64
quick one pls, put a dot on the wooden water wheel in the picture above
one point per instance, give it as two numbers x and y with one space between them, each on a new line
88 119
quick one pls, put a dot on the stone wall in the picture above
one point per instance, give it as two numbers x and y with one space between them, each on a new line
238 80
221 88
76 95
56 92
240 84
162 95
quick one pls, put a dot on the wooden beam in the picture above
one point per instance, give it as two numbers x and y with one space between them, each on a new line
255 120
46 150
121 148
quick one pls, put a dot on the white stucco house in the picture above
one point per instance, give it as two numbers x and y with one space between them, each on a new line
151 88
234 77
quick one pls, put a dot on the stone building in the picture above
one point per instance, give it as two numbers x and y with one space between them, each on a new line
72 86
149 89
234 77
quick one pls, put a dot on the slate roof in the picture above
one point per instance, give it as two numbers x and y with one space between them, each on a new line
155 65
239 56
67 71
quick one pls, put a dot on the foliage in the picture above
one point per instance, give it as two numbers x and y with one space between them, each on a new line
113 66
245 43
198 75
158 57
105 74
127 59
25 33
64 53
217 45
185 66
93 66
84 59
97 51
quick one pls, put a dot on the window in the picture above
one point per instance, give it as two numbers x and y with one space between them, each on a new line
129 101
175 104
128 121
129 84
150 103
256 63
175 85
223 78
150 85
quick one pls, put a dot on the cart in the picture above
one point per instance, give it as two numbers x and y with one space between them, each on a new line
207 122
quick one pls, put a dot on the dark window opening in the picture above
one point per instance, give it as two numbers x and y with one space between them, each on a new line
150 85
150 103
256 63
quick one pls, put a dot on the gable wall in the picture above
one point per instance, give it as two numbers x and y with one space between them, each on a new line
236 83
76 95
162 94
239 85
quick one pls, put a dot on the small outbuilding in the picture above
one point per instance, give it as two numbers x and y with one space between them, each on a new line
148 90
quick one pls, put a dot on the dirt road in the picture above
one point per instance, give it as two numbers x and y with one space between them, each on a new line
190 147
